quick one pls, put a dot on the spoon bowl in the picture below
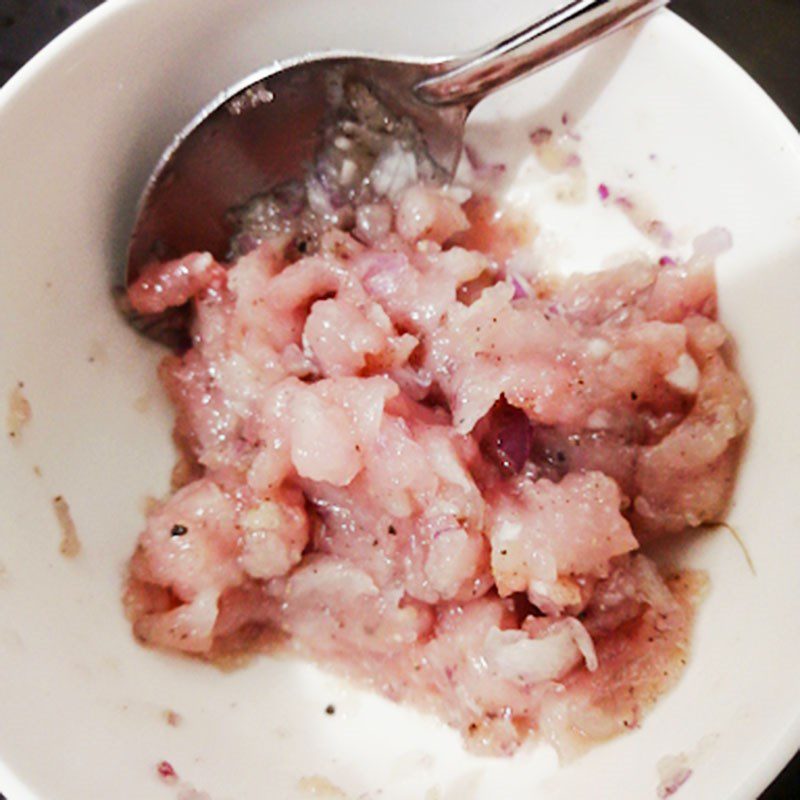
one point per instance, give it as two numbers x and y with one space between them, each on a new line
265 131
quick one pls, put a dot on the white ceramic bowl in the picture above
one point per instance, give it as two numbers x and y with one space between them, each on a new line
81 704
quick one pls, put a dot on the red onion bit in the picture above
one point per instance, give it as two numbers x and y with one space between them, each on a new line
671 785
246 243
652 228
447 529
167 772
541 136
511 437
481 168
521 290
624 202
666 261
566 121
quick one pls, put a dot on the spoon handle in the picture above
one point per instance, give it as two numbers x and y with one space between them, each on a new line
559 33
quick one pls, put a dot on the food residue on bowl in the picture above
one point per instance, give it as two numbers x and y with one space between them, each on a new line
172 718
19 411
142 403
676 769
70 545
320 786
673 771
431 472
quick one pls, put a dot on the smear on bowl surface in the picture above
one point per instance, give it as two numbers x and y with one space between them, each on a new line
19 412
70 545
427 470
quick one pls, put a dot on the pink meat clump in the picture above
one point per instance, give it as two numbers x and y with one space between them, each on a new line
435 478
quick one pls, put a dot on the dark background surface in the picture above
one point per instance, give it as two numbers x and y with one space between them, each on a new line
761 35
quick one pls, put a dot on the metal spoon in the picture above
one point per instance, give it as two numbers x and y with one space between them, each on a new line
266 129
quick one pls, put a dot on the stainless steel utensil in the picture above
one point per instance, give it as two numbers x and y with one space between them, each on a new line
265 130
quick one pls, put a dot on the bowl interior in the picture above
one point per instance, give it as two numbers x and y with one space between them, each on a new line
659 110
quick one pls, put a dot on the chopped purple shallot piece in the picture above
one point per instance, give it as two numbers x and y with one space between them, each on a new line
481 168
670 785
541 135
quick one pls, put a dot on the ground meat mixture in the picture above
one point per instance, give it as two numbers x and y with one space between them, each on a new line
434 476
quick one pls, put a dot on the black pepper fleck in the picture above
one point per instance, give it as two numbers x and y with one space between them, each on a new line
330 709
392 530
179 530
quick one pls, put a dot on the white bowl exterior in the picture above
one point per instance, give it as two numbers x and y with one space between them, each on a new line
81 704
